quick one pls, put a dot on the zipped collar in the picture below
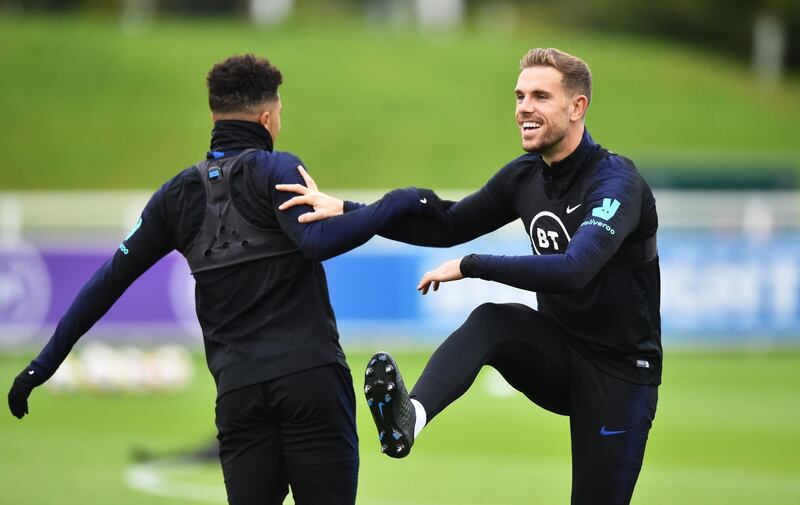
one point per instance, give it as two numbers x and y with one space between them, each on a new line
231 136
559 177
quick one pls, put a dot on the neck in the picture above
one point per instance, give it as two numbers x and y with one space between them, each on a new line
565 147
233 116
232 135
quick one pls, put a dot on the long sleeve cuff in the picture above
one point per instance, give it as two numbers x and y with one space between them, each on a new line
351 206
471 266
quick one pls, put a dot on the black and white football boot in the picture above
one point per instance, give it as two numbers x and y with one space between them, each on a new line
390 405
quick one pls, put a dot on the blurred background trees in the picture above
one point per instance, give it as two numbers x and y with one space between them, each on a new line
764 31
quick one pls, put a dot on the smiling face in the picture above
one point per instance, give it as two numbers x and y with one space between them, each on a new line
549 117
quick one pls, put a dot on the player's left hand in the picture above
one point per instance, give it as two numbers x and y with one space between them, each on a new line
449 271
325 206
20 391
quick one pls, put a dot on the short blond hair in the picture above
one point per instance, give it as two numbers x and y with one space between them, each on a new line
577 76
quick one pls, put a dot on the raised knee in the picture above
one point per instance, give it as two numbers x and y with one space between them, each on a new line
500 315
486 310
497 311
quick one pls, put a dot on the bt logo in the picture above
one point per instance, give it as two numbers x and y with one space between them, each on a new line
546 237
548 233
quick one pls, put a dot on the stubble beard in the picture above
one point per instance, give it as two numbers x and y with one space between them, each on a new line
551 138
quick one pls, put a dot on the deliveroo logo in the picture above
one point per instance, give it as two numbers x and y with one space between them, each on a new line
139 225
122 246
604 212
607 210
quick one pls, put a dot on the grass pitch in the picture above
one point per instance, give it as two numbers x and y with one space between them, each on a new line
726 431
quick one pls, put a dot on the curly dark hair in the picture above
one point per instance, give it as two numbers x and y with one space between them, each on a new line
241 83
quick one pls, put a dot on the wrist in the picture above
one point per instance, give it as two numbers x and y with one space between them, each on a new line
30 378
470 266
418 203
349 206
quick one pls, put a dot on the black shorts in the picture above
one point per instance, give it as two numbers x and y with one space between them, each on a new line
295 431
610 418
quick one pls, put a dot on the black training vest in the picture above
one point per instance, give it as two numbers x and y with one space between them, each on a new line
226 238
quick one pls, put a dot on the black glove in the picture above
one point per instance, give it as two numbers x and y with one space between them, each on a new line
21 390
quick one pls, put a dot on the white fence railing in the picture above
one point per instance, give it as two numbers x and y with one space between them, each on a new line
730 264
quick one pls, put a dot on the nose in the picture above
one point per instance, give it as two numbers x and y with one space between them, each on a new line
525 106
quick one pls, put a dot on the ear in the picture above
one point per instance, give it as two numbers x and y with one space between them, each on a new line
263 118
579 105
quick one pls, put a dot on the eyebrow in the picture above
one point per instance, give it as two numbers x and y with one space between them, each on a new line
534 92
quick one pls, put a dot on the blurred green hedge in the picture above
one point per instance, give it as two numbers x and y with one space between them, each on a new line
724 25
88 104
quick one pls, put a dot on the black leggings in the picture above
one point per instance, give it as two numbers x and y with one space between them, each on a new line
609 418
298 430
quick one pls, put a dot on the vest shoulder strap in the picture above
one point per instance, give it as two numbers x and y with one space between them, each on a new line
226 238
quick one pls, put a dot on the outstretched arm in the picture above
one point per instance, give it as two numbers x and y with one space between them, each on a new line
453 223
145 245
322 231
438 223
605 227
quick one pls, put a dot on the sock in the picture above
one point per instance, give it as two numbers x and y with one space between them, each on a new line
422 417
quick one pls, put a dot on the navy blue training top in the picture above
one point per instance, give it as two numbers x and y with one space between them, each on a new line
591 221
262 319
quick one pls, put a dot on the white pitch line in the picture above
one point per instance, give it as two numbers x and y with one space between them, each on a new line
151 478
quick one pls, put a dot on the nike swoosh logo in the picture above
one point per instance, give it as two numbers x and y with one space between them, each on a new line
423 201
380 408
30 372
605 432
570 210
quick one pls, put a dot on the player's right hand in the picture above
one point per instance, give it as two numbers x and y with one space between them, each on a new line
21 390
324 205
446 272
